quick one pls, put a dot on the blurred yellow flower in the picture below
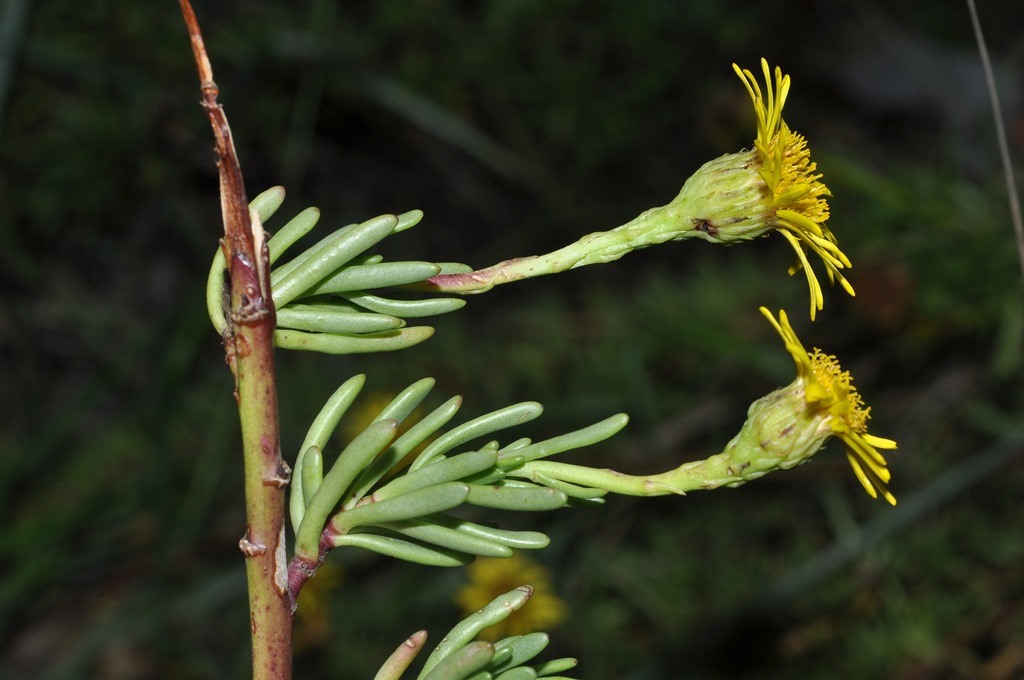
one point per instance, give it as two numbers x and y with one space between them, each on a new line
365 412
831 399
312 617
491 577
795 192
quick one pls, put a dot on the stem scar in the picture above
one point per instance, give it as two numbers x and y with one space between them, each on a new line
705 226
250 549
281 477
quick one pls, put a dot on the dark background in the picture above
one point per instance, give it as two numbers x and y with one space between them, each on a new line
517 126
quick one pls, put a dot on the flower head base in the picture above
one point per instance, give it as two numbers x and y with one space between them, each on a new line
835 409
794 189
492 576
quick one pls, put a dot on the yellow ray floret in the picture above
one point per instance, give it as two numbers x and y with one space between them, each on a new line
794 189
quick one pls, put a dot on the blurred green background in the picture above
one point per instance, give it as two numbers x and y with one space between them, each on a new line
517 126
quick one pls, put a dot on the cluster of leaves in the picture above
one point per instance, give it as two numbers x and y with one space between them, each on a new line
460 656
406 515
320 295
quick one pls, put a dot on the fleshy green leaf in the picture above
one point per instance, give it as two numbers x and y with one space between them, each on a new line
426 531
383 275
504 496
520 673
286 236
572 440
416 504
311 470
403 549
406 309
267 202
416 434
323 318
466 630
330 254
331 343
524 540
523 648
555 666
463 662
450 469
319 433
399 661
356 456
569 489
501 419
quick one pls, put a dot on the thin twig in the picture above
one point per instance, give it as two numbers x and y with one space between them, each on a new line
1004 147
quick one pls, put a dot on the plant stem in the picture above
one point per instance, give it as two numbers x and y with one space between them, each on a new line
710 473
657 225
777 435
249 346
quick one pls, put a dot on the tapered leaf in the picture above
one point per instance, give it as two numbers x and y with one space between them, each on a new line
426 531
356 456
463 662
406 309
525 498
450 469
334 319
522 647
329 255
267 202
479 427
286 236
331 343
416 434
383 275
416 504
572 440
465 631
317 436
403 549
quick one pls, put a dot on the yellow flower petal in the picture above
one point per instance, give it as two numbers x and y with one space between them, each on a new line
794 188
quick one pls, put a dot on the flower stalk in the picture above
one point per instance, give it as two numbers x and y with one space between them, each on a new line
783 429
773 186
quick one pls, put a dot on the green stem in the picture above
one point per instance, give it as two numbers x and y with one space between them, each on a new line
651 227
778 434
710 473
725 201
249 345
266 476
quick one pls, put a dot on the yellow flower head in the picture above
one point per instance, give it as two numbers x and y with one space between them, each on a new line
365 412
491 577
793 187
831 399
312 618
